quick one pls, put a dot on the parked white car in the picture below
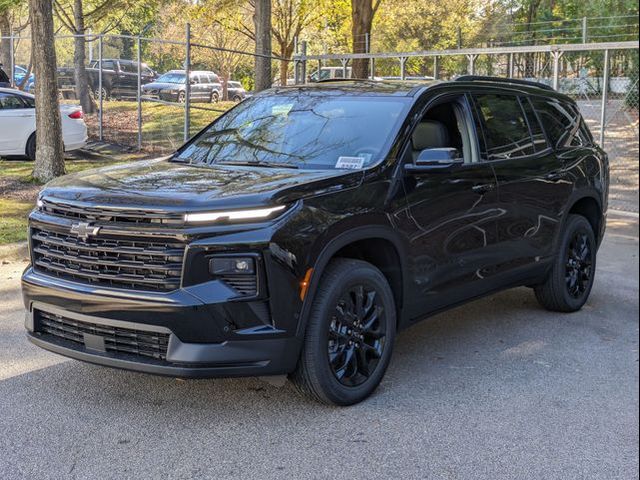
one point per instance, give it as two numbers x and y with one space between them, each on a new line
18 125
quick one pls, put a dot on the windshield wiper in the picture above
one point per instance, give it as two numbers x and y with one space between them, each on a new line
258 163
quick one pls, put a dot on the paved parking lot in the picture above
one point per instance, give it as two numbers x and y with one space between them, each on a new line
495 389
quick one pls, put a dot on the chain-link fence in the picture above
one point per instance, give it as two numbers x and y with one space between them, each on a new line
147 94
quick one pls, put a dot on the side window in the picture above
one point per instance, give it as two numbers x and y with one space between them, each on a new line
537 133
339 73
506 132
108 65
562 123
10 102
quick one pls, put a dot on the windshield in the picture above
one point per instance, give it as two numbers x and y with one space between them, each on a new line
171 78
301 131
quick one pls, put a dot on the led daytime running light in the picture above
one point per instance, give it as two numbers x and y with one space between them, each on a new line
255 213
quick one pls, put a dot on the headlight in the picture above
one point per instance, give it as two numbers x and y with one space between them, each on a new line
250 214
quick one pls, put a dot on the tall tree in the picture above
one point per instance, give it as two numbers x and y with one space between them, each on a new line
362 13
290 17
262 24
50 151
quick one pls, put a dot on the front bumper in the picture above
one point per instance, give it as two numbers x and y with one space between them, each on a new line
199 345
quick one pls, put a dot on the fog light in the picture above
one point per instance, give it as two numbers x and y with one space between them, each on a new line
232 266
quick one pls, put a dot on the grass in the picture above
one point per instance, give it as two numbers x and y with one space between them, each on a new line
162 125
20 191
13 220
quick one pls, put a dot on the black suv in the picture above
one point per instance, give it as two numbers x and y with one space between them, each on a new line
307 225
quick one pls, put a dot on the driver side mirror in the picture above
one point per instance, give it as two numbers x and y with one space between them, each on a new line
434 159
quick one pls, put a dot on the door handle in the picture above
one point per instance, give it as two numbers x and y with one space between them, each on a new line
553 176
484 188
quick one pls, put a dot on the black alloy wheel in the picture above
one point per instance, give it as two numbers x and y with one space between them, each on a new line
570 279
356 335
349 334
579 261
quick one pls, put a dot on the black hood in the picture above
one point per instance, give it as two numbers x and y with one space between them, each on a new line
176 186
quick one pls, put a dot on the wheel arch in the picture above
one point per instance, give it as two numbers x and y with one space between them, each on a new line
377 245
589 205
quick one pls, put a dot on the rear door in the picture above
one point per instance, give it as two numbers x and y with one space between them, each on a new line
17 123
532 185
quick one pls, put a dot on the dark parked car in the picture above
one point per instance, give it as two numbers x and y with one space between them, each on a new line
171 87
119 78
306 226
235 91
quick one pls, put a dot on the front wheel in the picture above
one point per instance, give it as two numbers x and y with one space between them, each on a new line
570 280
215 98
349 336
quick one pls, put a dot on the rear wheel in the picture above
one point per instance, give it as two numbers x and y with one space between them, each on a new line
215 98
30 151
349 336
182 97
569 283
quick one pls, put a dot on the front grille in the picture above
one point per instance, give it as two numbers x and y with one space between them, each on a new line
116 339
138 264
245 285
109 214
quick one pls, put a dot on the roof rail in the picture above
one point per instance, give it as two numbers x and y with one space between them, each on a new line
327 80
480 78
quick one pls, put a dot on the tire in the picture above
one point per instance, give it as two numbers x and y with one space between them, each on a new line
237 98
105 94
182 97
215 98
338 348
30 151
570 280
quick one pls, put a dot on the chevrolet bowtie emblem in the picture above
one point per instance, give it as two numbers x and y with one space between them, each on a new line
84 230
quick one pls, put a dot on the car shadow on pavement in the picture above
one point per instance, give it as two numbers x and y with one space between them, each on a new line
429 357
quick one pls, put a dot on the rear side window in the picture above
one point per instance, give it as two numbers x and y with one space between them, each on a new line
562 122
10 102
537 132
505 127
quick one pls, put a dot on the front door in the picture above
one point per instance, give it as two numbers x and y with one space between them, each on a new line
451 231
17 123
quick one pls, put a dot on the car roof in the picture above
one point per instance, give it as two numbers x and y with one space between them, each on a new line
360 87
412 88
15 92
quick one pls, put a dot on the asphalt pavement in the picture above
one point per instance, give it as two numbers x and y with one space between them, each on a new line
498 388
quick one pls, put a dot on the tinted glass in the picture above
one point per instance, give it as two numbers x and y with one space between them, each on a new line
505 128
537 133
301 130
562 122
129 67
107 65
171 78
10 102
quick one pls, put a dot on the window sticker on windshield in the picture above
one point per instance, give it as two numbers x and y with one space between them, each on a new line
283 109
353 163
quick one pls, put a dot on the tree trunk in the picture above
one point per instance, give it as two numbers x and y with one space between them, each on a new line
226 75
286 50
262 23
362 13
50 151
5 44
79 59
